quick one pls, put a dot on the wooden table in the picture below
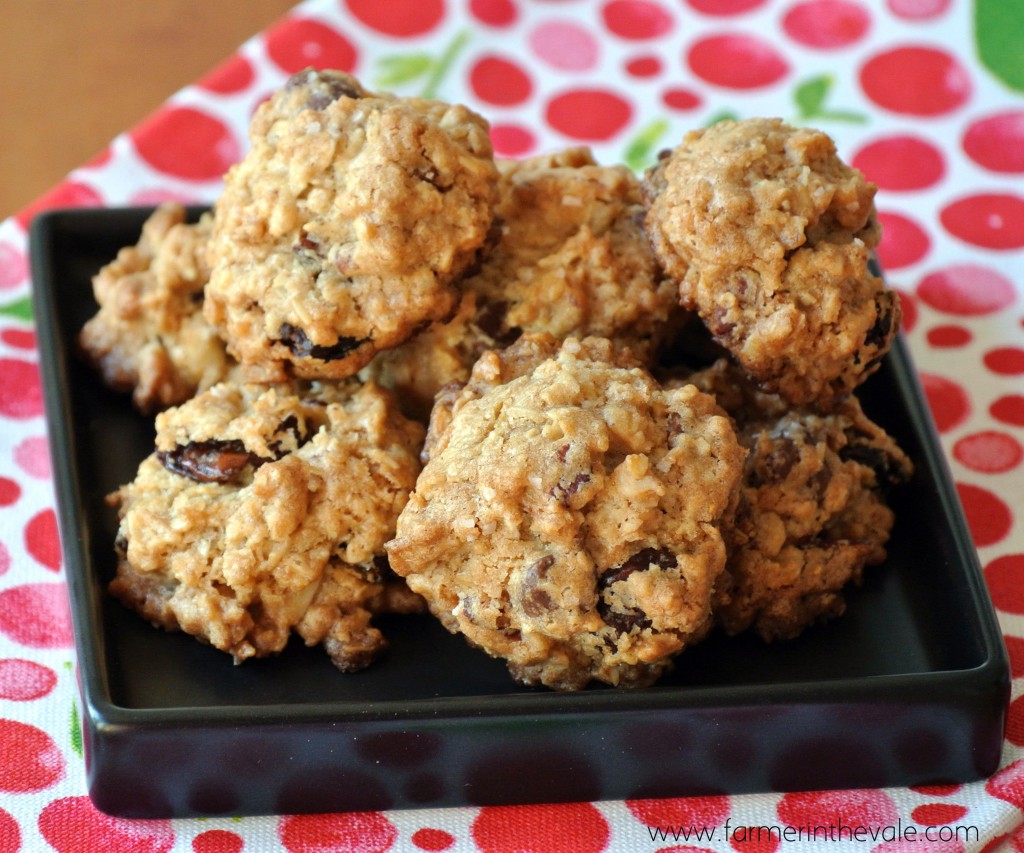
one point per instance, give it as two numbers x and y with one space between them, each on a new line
75 73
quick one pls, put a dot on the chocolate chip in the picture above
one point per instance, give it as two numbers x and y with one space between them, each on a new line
625 620
536 601
300 345
209 461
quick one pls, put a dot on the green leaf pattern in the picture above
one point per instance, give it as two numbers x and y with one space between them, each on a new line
999 38
811 96
20 309
402 69
641 150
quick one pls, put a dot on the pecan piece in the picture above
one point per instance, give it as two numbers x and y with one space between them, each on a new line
562 492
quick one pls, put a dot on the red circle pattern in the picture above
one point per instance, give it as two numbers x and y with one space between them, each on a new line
579 827
826 24
932 82
904 241
298 43
1005 579
988 516
901 163
734 61
202 147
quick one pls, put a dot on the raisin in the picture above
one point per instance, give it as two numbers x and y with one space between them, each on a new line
624 621
300 345
324 89
491 321
289 425
639 562
536 601
878 335
886 471
209 461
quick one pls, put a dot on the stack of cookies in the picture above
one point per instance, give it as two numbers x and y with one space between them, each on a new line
582 417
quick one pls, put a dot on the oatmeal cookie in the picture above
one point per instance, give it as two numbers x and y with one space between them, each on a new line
345 228
264 510
149 336
444 352
567 519
769 236
571 259
812 511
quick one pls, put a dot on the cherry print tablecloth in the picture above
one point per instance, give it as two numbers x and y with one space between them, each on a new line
925 96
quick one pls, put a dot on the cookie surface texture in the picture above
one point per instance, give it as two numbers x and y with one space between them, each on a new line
769 235
813 509
568 519
344 229
263 511
149 337
569 258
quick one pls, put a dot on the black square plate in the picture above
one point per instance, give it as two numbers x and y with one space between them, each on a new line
909 687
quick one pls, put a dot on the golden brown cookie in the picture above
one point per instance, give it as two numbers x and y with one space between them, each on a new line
567 519
264 510
345 228
812 511
149 336
769 235
570 259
